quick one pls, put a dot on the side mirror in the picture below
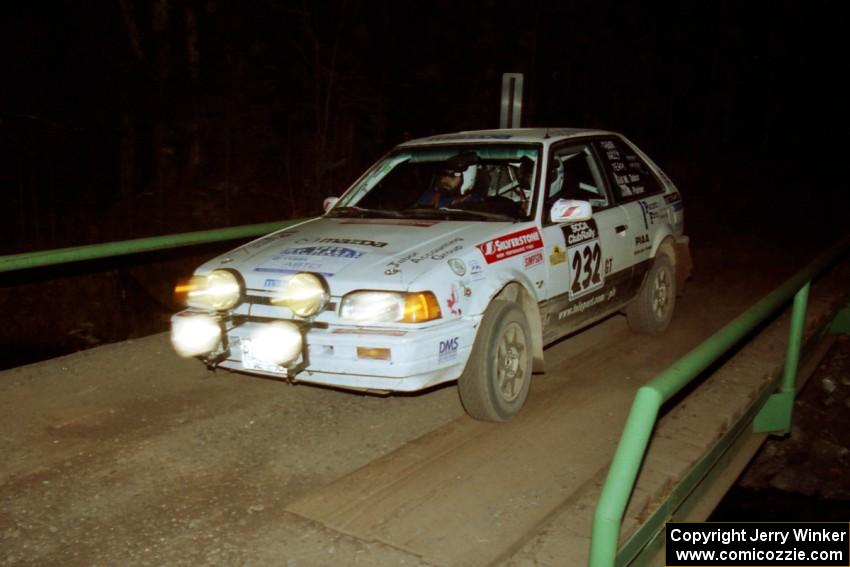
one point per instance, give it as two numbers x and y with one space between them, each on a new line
570 210
329 203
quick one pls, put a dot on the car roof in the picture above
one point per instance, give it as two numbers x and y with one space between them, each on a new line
523 135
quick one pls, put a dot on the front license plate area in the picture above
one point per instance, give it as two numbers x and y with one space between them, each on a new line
251 362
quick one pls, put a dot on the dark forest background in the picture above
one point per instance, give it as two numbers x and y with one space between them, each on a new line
132 118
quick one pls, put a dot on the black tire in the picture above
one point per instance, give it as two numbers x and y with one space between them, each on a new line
495 382
651 310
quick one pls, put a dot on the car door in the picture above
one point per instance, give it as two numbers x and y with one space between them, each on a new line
639 194
589 261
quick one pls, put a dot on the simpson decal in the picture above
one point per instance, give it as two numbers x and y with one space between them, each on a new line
532 259
511 245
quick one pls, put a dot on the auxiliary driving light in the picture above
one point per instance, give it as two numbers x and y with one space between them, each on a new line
219 290
195 335
279 343
304 293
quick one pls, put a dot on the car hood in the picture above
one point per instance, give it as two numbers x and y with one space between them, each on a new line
356 253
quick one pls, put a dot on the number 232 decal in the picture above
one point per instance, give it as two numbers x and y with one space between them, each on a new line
585 262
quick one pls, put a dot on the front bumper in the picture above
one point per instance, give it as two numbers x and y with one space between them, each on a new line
418 357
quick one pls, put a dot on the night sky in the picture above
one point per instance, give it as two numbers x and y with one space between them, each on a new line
128 118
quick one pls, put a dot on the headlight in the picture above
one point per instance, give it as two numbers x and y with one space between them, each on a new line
389 307
218 290
305 294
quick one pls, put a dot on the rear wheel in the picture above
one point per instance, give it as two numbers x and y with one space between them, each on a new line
652 309
495 383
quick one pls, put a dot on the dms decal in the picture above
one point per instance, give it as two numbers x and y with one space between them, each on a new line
325 260
532 260
448 349
577 232
271 282
511 245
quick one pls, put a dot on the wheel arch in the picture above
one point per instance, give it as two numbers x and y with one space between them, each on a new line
678 251
518 293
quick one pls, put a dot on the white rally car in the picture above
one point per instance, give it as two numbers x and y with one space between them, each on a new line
455 257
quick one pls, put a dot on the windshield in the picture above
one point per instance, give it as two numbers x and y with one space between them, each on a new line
479 182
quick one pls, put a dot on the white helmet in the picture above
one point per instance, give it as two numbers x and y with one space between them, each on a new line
464 164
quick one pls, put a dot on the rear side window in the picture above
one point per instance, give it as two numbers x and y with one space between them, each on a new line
631 177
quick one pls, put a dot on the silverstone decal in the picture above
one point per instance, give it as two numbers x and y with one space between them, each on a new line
441 252
532 259
584 255
448 349
392 222
325 260
511 245
558 256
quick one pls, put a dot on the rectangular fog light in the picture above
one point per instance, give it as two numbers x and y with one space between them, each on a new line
374 353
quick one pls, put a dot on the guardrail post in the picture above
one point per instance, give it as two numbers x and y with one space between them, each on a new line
775 416
622 475
841 323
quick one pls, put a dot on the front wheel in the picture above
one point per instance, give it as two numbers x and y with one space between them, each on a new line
651 310
495 382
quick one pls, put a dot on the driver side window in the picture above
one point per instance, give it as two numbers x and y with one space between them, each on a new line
572 174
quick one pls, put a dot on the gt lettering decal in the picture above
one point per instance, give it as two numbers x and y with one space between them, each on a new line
511 245
585 261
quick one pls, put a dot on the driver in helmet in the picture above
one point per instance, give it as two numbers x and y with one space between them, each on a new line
453 184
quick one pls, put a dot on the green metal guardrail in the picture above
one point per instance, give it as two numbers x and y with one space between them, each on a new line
29 260
775 415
